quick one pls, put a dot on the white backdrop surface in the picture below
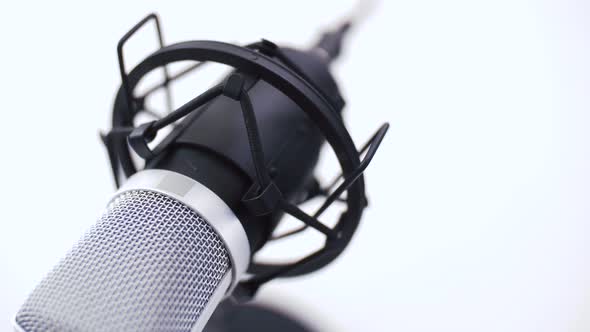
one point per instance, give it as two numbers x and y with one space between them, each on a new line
479 216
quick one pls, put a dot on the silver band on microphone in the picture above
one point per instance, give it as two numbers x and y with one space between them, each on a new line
205 203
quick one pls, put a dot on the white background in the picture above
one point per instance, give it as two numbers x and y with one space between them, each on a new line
479 216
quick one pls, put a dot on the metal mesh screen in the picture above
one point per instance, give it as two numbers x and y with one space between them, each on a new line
149 264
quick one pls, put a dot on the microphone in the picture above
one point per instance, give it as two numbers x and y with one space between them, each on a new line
179 235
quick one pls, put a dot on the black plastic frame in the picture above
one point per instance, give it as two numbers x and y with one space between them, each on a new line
263 196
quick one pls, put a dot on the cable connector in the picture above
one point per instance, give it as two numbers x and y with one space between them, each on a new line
330 43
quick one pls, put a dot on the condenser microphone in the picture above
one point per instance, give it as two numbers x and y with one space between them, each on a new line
179 235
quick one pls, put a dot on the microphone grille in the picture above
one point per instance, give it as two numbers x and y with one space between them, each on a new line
149 263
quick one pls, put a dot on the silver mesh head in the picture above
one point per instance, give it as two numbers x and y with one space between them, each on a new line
149 264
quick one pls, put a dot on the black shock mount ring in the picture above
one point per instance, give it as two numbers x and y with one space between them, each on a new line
255 59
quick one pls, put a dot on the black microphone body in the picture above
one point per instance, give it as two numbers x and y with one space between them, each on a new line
211 145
